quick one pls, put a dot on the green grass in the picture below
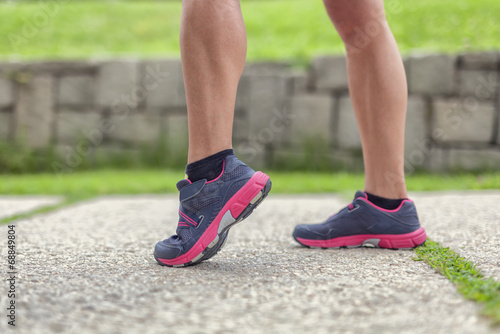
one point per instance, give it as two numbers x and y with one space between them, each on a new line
464 274
291 30
110 181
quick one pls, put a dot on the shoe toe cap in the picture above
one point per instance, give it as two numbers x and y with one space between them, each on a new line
167 250
303 231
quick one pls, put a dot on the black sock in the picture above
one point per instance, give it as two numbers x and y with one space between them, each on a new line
207 168
385 203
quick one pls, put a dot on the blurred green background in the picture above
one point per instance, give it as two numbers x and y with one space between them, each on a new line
293 31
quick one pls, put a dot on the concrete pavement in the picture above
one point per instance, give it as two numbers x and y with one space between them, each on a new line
89 269
13 205
467 222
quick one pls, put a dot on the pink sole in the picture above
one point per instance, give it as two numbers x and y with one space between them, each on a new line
236 205
408 240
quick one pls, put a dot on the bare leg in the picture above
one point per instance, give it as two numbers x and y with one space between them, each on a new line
213 50
377 85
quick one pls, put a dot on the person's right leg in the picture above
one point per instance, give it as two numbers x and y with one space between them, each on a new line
220 190
213 49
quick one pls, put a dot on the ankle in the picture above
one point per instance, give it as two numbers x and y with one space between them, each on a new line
387 192
202 152
209 167
385 203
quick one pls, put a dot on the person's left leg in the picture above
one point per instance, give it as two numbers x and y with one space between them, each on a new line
381 216
378 90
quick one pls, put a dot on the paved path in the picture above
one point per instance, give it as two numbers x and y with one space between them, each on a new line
13 205
89 269
467 222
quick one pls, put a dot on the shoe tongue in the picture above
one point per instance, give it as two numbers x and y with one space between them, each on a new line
360 193
182 183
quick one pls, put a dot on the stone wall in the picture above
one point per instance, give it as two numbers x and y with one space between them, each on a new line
281 112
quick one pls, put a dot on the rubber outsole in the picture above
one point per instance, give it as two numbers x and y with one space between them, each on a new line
225 224
247 212
388 241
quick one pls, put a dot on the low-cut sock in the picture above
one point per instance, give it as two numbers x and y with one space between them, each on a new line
385 203
207 168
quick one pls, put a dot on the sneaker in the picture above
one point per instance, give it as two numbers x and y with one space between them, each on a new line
208 209
362 223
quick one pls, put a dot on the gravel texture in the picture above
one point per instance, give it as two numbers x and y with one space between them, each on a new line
12 205
467 222
89 269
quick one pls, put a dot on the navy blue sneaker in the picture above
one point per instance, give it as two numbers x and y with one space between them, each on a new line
208 209
362 223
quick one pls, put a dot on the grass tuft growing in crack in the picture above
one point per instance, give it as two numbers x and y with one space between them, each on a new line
469 281
45 209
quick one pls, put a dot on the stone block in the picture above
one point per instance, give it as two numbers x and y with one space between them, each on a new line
298 82
301 159
117 83
291 159
431 74
72 157
266 68
6 92
323 159
479 84
176 133
276 81
9 68
116 154
468 159
56 68
240 125
329 73
406 65
163 82
136 129
266 106
416 129
454 120
5 126
242 95
347 127
497 139
498 121
480 61
350 160
438 161
311 118
73 126
34 111
252 152
76 90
